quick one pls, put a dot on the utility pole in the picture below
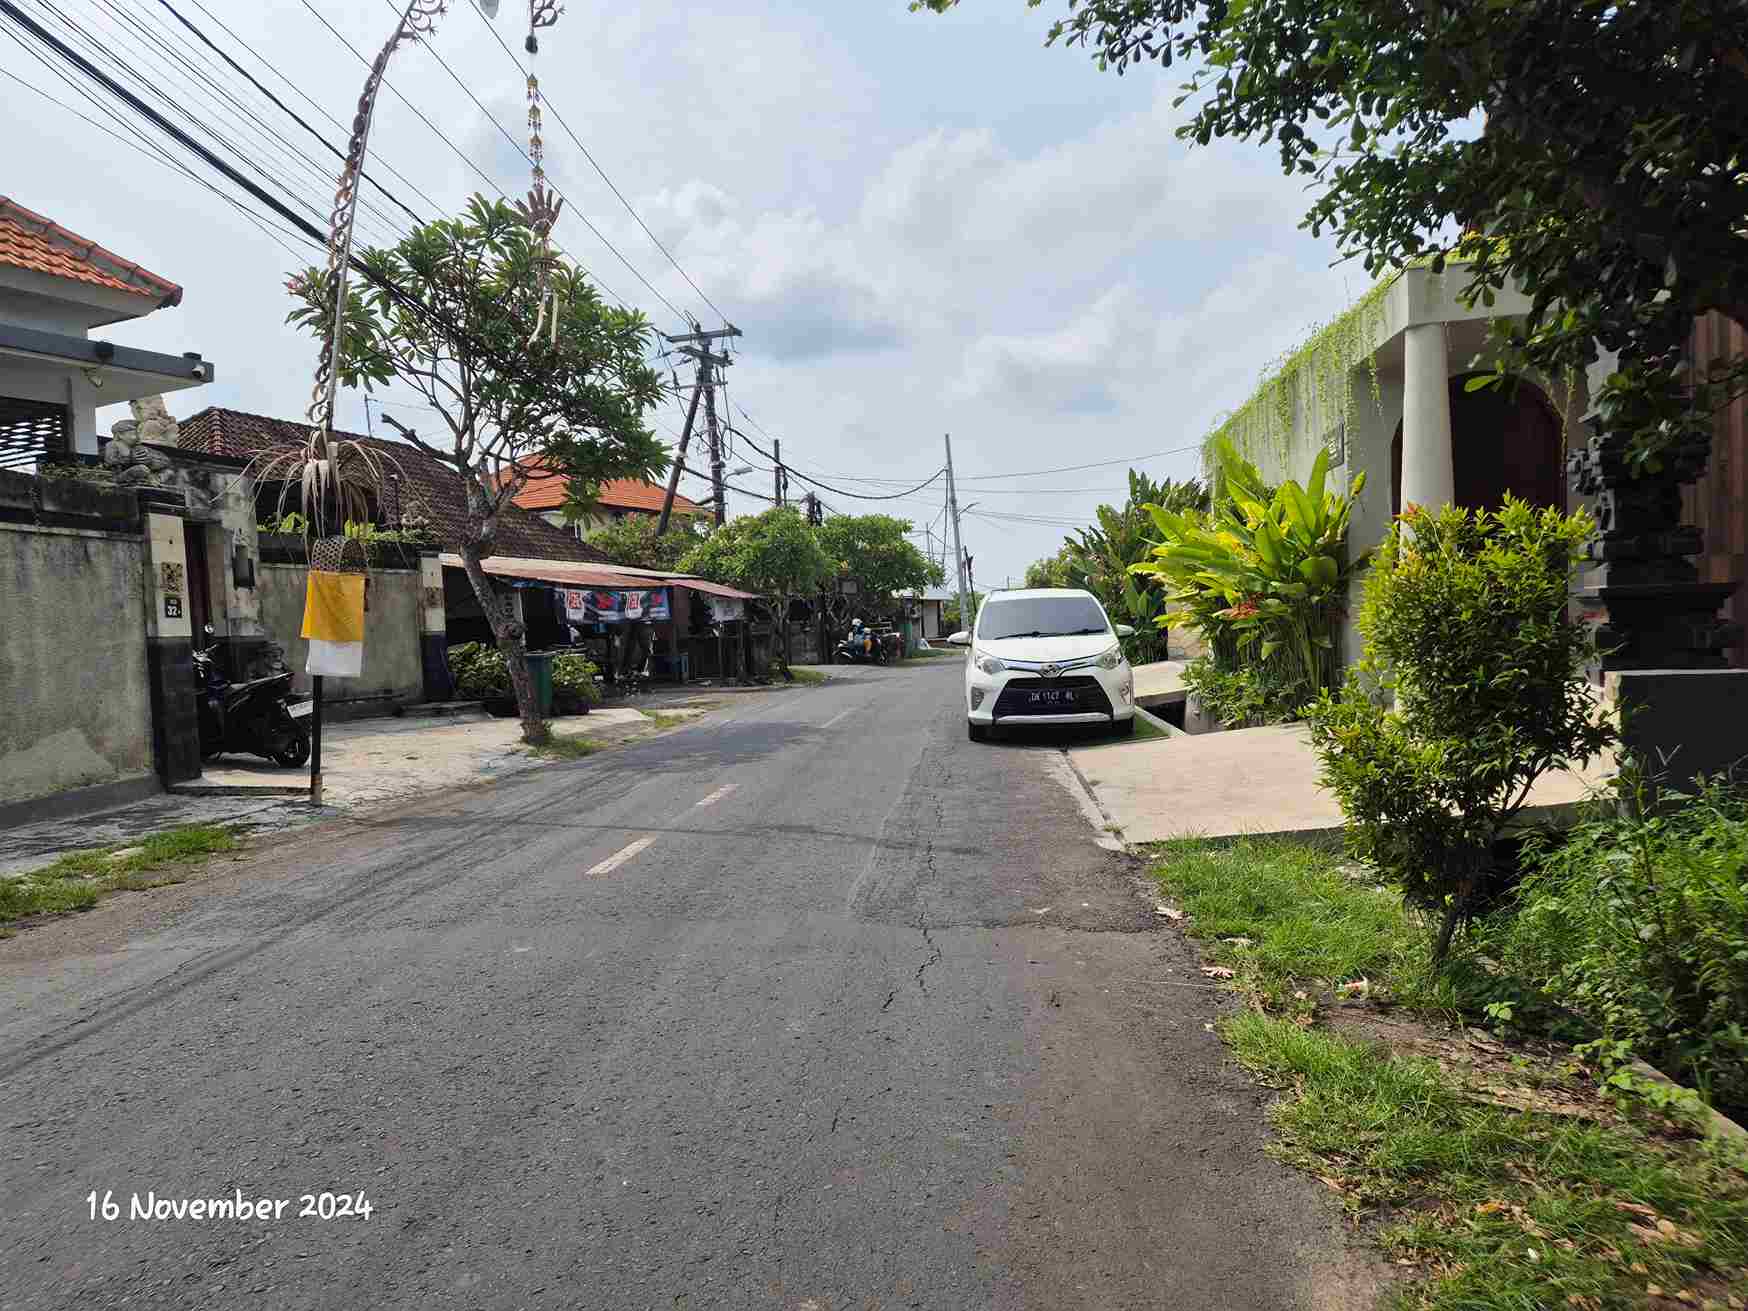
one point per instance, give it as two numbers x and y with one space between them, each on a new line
703 386
958 547
777 476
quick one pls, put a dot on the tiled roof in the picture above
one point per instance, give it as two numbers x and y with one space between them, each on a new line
546 492
30 241
426 486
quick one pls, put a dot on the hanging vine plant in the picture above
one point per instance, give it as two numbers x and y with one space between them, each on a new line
1315 381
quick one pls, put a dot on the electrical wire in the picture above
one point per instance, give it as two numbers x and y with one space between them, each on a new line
510 368
522 150
546 102
439 134
835 491
378 156
286 109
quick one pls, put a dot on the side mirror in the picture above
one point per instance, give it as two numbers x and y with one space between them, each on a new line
961 638
1124 630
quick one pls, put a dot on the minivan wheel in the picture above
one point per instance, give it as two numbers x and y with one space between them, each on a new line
976 732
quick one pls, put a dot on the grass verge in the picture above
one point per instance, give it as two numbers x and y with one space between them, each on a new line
1501 1174
78 881
1145 730
807 677
660 720
568 746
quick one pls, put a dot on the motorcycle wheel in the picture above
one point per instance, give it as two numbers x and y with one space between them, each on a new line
293 750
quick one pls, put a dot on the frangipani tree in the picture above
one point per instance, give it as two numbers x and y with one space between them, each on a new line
526 367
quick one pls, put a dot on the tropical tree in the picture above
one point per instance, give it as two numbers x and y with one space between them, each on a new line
873 551
1123 538
1060 570
633 541
950 617
454 311
1606 183
775 554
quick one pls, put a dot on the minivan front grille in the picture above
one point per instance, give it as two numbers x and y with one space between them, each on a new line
1052 696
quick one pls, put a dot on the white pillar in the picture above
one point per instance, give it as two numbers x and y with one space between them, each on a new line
1428 479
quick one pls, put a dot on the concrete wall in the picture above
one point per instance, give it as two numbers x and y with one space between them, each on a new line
75 706
393 664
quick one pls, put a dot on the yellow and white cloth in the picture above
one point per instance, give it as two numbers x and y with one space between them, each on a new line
333 624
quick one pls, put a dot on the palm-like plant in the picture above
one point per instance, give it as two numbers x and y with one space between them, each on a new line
1266 575
1105 557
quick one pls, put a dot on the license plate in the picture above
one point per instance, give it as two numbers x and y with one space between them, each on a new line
1051 697
301 710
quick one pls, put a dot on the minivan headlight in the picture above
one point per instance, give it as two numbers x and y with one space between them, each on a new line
987 663
1112 658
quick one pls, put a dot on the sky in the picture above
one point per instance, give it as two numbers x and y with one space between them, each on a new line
922 225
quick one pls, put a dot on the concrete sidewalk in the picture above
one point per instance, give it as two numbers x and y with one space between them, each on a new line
365 762
1249 781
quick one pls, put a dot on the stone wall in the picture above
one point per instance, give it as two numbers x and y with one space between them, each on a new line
393 664
75 703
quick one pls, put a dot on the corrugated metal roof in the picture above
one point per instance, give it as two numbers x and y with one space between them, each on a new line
569 574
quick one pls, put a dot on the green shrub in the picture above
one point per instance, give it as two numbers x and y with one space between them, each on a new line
1638 921
1264 578
1465 626
574 683
479 672
1247 696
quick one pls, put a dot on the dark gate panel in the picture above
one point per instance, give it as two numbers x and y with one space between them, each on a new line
33 430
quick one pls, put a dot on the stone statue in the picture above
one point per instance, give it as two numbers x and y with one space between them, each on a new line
136 462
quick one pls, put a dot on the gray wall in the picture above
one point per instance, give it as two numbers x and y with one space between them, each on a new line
393 670
75 707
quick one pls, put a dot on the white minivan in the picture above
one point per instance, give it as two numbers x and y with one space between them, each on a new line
1047 655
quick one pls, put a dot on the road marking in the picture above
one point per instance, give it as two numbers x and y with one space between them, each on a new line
716 796
619 857
834 719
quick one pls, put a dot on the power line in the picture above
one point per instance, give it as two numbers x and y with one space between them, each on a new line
156 155
439 134
576 141
521 150
315 105
389 288
836 491
291 113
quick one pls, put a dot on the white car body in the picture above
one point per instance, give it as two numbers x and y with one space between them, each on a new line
1056 678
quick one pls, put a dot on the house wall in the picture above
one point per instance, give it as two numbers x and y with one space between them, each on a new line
393 662
75 704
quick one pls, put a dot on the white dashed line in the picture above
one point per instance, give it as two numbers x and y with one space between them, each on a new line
717 795
834 719
619 857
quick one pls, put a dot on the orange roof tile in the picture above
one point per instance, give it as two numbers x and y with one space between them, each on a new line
547 492
30 241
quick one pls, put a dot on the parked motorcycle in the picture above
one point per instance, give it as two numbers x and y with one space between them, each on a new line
861 646
256 717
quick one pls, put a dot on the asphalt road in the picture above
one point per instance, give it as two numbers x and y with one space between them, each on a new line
811 1005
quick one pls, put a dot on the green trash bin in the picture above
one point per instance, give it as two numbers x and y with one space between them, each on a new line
540 668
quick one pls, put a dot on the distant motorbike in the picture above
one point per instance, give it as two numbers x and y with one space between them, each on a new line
861 647
256 717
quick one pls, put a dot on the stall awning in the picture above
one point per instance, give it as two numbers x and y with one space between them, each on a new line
567 573
714 589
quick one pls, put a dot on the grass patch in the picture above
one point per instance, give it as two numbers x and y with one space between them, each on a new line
1144 729
807 677
660 719
931 653
568 746
1571 1203
78 881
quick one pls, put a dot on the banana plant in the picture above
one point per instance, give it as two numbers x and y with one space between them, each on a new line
1265 575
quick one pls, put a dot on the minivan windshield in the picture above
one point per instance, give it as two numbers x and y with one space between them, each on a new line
1040 616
